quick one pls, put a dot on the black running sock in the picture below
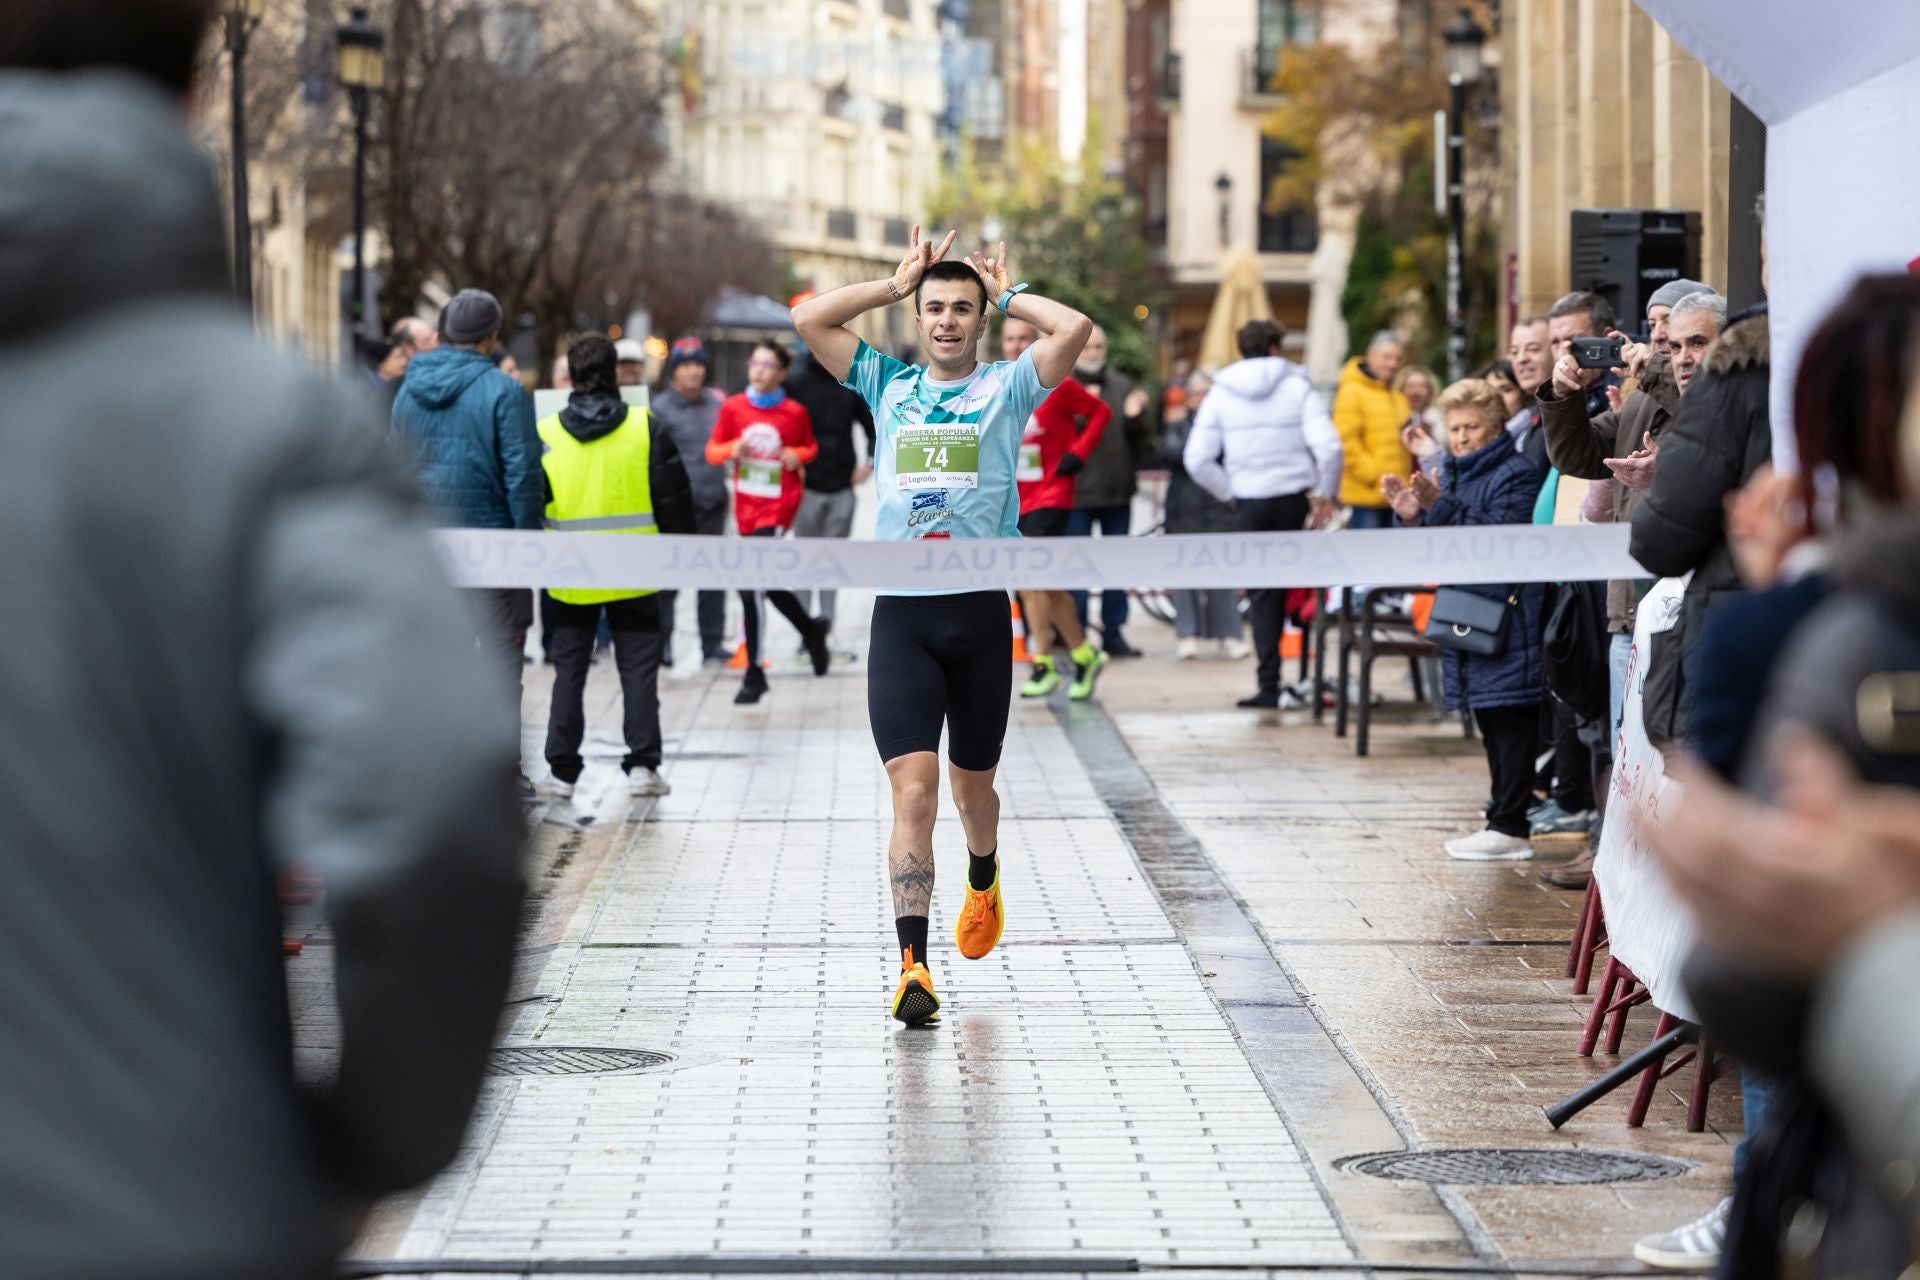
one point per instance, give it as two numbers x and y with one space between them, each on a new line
980 871
913 936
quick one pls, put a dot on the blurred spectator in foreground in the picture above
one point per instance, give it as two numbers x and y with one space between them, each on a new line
1828 633
233 651
1199 613
1488 481
1369 413
470 429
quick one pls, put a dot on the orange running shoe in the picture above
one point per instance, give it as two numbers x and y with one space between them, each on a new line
913 1000
977 931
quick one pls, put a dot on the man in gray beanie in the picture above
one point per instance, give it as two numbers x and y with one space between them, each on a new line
470 430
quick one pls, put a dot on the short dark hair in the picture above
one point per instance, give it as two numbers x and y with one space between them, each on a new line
593 364
1259 338
952 271
1597 310
779 350
158 39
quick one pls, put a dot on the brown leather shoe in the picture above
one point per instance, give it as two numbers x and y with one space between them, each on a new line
1574 874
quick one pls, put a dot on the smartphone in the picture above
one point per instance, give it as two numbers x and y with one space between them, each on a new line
1597 353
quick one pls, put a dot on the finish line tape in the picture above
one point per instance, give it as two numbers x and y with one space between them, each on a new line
1339 558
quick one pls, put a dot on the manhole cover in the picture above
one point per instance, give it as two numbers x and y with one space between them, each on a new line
562 1060
1515 1167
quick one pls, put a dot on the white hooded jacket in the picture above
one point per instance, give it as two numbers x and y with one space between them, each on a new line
1263 432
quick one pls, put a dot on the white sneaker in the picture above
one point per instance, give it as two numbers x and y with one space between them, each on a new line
1235 649
1189 649
1692 1247
647 782
1490 846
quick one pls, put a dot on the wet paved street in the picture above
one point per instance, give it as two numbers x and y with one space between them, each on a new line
1234 956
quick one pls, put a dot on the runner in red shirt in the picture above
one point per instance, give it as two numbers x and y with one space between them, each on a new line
768 439
1059 437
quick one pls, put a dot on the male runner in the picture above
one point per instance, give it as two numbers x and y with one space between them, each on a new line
949 434
1060 435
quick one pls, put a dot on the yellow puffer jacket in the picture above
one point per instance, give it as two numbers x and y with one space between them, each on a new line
1369 415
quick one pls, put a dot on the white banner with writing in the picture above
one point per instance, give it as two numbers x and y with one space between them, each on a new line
1334 558
1649 929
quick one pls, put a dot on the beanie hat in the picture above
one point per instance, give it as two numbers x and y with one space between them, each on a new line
687 351
1674 290
472 316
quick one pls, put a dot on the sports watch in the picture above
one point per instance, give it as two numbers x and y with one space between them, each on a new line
1005 300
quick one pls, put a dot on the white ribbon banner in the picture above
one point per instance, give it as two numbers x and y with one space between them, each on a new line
1346 557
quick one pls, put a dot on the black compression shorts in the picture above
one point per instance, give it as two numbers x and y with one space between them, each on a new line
941 660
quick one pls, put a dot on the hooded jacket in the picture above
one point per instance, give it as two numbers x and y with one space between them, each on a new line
470 430
1579 445
1369 414
595 415
1263 432
233 650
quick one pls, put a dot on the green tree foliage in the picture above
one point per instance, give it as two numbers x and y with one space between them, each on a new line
1367 123
1072 232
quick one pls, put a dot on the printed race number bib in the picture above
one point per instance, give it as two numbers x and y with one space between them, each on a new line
942 456
759 477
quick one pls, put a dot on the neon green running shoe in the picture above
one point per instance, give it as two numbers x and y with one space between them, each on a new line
1084 676
1045 681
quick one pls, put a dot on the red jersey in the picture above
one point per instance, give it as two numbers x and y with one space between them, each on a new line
1050 433
765 494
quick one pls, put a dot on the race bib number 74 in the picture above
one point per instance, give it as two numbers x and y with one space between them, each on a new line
940 456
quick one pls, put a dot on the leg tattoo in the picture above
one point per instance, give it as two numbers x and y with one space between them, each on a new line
912 882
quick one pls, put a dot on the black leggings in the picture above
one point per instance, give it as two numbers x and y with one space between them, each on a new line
785 601
941 660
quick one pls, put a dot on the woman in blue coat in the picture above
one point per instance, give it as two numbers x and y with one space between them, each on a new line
1487 481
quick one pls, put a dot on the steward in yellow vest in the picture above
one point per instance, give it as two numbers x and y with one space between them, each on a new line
608 470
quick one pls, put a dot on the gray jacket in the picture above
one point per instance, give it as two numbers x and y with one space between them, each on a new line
233 650
690 424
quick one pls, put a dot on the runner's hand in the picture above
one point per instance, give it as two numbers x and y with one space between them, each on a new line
920 255
993 272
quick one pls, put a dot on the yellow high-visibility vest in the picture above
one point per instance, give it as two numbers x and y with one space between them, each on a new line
601 486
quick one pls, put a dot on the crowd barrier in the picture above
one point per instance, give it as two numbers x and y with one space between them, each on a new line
1330 558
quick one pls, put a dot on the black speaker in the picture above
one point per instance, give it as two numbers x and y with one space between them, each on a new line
1624 255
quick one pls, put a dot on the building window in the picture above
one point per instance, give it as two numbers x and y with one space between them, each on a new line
1281 23
1288 230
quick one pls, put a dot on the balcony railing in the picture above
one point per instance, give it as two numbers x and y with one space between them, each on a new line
842 224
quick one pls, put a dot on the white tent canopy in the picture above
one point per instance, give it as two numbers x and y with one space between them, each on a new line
1838 87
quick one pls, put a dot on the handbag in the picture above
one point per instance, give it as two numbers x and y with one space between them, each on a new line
1464 622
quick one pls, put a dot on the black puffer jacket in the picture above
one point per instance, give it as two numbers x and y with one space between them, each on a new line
1719 438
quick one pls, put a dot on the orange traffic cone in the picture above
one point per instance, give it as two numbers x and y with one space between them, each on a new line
1019 626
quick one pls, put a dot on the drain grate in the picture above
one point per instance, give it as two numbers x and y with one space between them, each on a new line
566 1060
1515 1167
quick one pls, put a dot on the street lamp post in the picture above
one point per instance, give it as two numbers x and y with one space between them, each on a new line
363 69
242 17
1464 45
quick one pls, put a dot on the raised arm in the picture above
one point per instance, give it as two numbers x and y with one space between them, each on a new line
822 321
1063 331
